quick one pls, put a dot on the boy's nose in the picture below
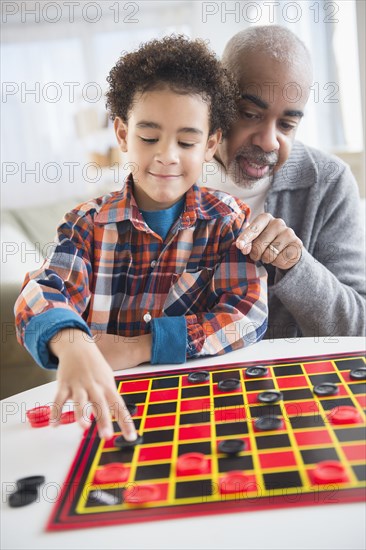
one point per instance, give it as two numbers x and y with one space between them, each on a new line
167 154
266 138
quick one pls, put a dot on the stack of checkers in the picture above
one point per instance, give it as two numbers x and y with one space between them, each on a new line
27 491
39 417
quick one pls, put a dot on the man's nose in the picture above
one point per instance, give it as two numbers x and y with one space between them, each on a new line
167 153
266 138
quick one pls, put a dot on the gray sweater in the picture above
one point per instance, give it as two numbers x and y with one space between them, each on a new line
324 293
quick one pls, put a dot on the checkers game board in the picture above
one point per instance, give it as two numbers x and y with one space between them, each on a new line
236 437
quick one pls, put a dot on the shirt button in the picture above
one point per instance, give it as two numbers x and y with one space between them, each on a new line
153 263
147 317
188 219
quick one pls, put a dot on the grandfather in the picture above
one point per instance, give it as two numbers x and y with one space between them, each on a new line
305 225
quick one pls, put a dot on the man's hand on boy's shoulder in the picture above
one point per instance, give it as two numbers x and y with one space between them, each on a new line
270 240
123 352
85 377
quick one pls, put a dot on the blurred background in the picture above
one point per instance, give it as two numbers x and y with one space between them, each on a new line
57 145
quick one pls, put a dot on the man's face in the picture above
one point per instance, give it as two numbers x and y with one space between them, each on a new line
167 139
272 102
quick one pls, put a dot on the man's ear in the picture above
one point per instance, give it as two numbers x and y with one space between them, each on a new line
120 129
212 144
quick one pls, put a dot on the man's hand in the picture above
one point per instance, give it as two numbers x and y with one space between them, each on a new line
85 377
270 240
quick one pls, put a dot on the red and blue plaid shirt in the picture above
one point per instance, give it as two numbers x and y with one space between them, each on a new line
110 272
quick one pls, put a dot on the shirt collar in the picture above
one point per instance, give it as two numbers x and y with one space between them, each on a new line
121 206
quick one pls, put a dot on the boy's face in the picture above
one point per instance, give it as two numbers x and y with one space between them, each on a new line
166 137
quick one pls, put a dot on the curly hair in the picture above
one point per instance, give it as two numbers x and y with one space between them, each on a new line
185 66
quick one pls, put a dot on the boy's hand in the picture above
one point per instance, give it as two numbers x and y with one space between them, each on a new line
270 240
85 377
122 352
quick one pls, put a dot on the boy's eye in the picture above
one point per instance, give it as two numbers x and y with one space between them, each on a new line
148 140
186 145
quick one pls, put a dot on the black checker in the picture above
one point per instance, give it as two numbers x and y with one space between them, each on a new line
331 403
303 421
313 456
228 401
162 408
158 436
350 364
203 447
357 388
360 471
272 441
198 377
282 480
256 371
195 418
328 377
259 385
188 489
231 428
294 395
230 463
164 383
290 370
196 391
265 410
358 374
154 471
351 434
224 375
134 397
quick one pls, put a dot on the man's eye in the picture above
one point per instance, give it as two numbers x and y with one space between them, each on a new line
287 126
148 140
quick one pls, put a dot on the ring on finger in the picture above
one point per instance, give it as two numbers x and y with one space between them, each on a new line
274 249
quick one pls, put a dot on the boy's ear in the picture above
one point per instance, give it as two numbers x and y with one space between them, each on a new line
212 144
120 129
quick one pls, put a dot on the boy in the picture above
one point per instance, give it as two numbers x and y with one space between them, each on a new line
155 263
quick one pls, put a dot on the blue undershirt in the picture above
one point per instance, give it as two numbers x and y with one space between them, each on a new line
164 330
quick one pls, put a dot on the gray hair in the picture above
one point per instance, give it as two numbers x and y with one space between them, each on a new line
274 41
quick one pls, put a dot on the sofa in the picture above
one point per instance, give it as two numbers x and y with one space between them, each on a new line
26 235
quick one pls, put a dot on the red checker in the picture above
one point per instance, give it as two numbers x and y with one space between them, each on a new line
313 437
163 395
40 423
344 415
39 414
329 471
355 452
202 405
195 432
67 417
298 408
115 472
245 439
234 482
145 493
190 464
160 421
230 414
291 382
155 453
322 366
134 386
361 400
277 460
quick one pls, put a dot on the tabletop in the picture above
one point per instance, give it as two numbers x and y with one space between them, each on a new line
49 452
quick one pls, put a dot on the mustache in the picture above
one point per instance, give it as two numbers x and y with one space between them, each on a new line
256 155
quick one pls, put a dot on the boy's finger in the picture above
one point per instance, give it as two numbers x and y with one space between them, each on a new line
81 408
56 408
125 421
103 416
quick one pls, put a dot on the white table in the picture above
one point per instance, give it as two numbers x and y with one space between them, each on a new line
48 451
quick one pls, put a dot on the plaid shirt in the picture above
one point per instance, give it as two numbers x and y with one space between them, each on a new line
110 269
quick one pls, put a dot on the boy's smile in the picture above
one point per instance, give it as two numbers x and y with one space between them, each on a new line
166 137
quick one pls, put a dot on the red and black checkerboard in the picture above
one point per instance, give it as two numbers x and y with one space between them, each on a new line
177 418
